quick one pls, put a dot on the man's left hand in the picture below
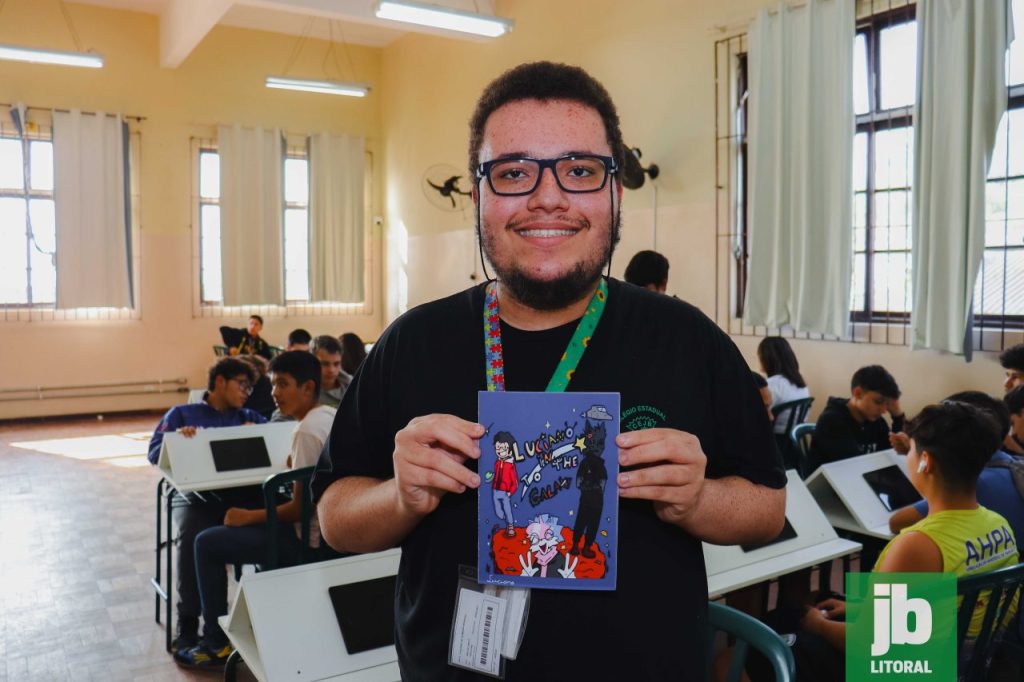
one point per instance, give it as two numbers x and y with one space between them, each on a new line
669 471
236 516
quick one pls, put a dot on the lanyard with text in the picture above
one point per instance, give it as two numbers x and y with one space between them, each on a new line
495 363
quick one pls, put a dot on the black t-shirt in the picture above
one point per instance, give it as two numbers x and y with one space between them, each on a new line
673 367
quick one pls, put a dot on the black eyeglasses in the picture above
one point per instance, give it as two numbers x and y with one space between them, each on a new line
244 385
576 173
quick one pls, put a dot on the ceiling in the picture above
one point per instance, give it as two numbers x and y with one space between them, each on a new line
184 23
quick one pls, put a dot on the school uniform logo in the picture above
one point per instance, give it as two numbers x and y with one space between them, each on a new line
901 626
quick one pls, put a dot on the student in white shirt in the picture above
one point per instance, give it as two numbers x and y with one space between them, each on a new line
780 365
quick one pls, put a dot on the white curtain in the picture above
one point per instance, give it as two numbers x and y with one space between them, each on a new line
93 247
336 218
961 95
800 145
252 260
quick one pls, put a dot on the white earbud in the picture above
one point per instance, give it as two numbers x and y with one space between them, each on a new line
921 465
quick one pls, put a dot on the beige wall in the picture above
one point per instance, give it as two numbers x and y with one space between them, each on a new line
656 57
221 82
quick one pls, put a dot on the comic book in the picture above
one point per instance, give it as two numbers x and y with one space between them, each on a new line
548 500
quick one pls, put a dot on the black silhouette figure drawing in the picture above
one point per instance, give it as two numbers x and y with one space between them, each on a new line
590 479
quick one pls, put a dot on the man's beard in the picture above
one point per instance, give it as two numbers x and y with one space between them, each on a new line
560 292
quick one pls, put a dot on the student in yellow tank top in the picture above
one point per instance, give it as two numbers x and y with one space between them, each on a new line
950 444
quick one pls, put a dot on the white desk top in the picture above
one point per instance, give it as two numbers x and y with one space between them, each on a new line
187 463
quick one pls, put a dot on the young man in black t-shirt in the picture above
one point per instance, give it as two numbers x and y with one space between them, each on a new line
853 426
696 453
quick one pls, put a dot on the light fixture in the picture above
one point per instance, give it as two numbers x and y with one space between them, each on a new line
325 87
443 17
28 54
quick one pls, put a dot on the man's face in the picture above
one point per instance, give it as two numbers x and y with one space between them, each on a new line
254 327
871 404
549 240
330 368
234 391
1014 378
288 395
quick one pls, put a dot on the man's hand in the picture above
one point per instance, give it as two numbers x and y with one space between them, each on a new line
236 516
188 431
894 408
833 609
429 460
900 442
670 471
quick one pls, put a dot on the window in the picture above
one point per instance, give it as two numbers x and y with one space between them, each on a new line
296 226
28 274
884 86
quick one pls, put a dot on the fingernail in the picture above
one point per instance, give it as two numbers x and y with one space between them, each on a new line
623 459
475 481
623 479
624 440
462 488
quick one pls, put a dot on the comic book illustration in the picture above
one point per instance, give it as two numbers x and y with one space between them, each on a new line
548 500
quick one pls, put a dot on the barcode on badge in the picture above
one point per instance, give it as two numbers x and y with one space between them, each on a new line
485 643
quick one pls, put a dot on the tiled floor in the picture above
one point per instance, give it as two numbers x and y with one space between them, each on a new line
76 554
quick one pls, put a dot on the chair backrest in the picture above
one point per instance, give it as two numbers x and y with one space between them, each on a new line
798 410
220 351
271 487
749 632
800 437
275 351
1000 592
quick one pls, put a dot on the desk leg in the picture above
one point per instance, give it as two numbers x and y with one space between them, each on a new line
170 569
156 552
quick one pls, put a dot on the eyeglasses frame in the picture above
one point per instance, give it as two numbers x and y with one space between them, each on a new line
610 169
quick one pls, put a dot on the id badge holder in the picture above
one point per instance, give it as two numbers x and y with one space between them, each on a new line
488 625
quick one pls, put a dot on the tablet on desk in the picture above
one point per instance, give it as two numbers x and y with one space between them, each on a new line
240 453
366 613
788 533
892 487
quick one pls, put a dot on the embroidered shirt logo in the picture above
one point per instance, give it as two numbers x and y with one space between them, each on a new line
641 417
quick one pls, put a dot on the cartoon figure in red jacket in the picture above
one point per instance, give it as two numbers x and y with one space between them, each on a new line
505 481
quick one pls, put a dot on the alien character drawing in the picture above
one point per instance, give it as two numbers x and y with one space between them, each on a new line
590 480
504 482
544 534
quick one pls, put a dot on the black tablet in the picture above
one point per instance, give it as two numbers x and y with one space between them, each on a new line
366 613
240 453
788 533
892 487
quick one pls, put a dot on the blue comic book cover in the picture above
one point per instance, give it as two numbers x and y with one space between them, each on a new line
548 500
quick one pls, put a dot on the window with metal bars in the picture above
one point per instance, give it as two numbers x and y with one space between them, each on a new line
884 89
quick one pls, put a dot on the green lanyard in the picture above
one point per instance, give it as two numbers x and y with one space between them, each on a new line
495 362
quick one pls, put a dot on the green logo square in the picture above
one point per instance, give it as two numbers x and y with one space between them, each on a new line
901 626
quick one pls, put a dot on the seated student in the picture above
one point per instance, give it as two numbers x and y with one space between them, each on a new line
353 352
243 537
333 381
1014 441
246 341
785 382
229 385
1012 360
950 445
260 400
298 339
853 426
766 393
648 269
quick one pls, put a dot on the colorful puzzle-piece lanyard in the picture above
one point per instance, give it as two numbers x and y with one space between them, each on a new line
495 363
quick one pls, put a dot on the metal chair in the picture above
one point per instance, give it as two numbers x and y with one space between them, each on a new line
1002 589
800 438
795 412
749 632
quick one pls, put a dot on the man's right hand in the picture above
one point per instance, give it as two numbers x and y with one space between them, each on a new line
429 459
188 431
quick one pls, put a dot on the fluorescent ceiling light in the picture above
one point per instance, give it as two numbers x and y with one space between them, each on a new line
443 17
27 54
325 87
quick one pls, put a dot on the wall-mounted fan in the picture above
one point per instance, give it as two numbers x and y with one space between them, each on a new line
446 187
634 174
